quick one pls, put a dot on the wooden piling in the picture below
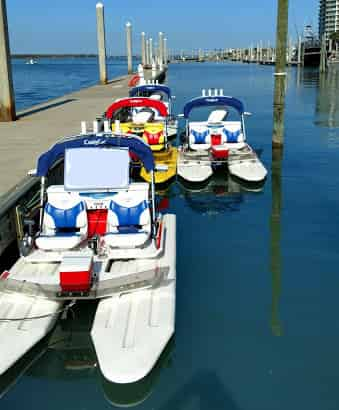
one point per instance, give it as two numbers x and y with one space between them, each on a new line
150 44
143 49
275 242
280 75
101 43
161 48
148 61
7 101
299 51
165 51
129 47
323 55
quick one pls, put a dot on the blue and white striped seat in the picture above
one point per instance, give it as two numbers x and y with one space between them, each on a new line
65 221
232 134
199 136
129 218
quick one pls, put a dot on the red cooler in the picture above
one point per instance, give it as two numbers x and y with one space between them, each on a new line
219 152
76 273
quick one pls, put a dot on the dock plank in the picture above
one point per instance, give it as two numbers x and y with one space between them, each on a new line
40 126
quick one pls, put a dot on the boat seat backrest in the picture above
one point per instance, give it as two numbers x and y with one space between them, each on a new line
142 116
199 136
154 135
64 212
129 212
232 132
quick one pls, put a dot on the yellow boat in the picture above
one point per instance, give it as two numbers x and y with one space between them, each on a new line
168 158
164 153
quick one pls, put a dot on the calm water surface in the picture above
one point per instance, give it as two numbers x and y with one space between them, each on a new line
257 295
55 77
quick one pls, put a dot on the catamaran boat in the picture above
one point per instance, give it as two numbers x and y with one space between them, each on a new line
217 142
99 237
137 115
162 93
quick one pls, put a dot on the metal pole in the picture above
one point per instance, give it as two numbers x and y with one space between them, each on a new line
161 48
280 75
7 101
129 47
101 43
143 49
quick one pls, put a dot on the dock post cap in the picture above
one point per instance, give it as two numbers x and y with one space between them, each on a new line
143 33
128 24
83 127
161 33
117 126
99 5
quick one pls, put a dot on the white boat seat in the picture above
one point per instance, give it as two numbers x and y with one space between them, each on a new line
128 220
217 116
155 96
64 224
141 117
199 137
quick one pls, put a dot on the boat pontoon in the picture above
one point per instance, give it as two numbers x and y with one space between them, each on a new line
162 93
217 142
137 115
98 237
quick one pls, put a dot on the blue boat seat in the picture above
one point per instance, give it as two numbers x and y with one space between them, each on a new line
129 219
232 134
199 136
64 224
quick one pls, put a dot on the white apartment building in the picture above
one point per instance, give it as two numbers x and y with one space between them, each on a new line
328 17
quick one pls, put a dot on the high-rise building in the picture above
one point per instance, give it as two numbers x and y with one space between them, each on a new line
328 17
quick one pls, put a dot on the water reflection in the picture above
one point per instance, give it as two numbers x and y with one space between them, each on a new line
67 354
222 193
327 107
308 77
195 394
275 226
133 394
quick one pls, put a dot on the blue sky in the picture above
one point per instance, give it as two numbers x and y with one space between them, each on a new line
68 26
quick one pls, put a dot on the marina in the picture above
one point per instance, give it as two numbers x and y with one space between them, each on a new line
261 310
161 244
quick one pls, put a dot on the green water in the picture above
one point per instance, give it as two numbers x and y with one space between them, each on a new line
257 293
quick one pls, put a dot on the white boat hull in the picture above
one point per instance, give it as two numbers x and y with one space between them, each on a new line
19 336
131 330
193 168
246 166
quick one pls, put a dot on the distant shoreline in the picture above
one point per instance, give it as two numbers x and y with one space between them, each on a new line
27 56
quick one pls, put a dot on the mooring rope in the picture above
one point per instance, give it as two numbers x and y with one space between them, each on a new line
20 319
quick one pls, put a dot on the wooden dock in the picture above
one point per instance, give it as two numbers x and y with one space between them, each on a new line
36 129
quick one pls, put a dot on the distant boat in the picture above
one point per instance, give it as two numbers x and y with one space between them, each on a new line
311 47
31 61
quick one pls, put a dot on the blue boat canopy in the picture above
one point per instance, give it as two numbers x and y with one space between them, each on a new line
213 101
134 144
151 88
